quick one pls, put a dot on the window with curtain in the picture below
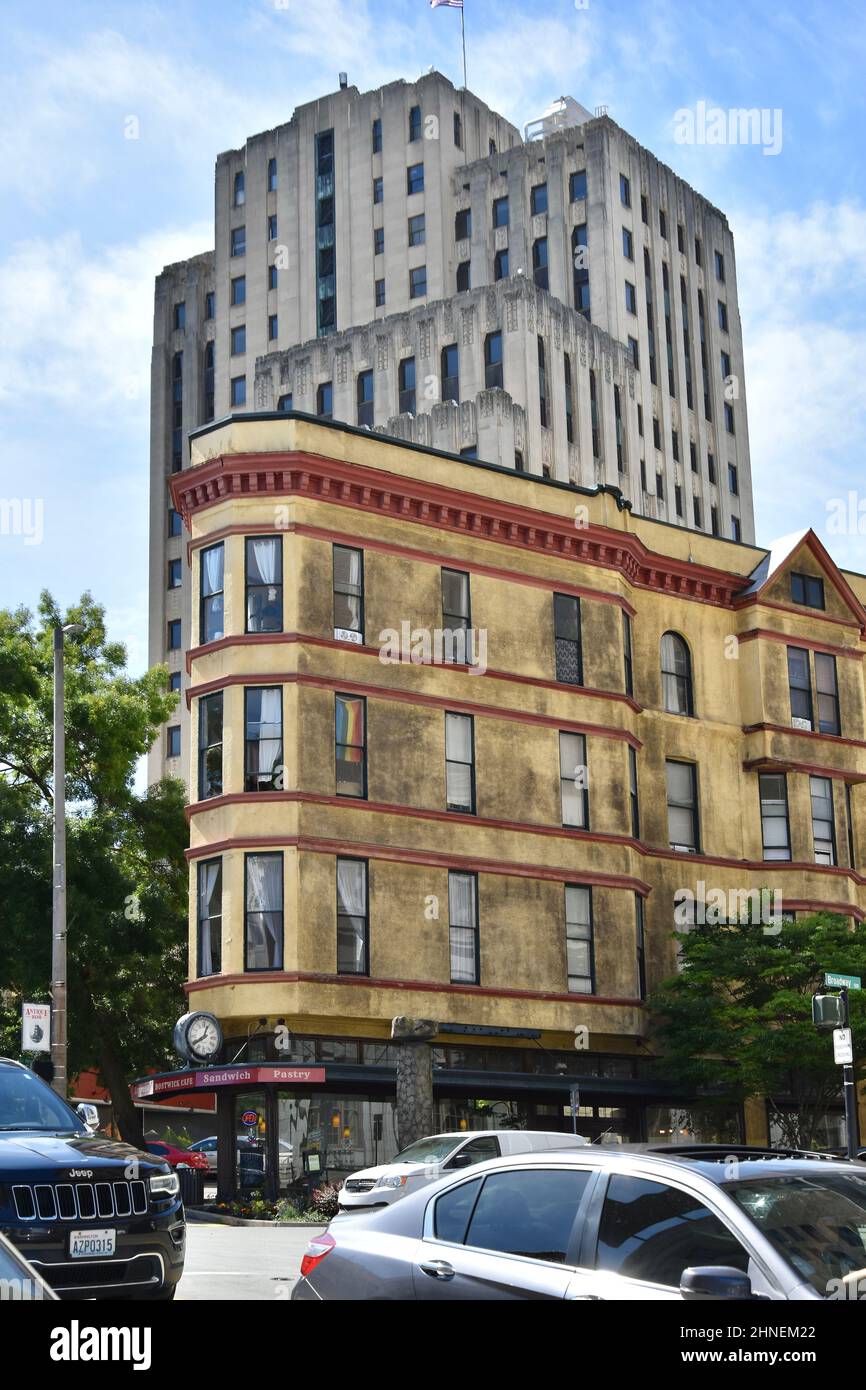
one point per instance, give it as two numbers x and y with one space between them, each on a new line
682 791
455 601
823 819
463 920
211 623
263 741
578 940
775 829
352 918
264 583
677 689
264 912
348 593
800 685
210 916
573 779
460 763
210 745
350 737
567 639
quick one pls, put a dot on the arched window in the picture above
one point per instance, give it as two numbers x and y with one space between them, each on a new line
677 675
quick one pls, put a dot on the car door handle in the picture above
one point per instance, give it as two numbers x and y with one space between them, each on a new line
437 1269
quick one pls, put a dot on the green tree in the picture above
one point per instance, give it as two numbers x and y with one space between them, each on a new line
736 1022
126 873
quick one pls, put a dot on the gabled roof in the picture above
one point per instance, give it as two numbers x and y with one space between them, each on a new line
782 552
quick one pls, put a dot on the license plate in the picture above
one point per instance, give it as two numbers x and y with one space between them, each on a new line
91 1245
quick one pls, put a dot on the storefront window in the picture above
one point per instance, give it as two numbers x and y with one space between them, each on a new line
703 1125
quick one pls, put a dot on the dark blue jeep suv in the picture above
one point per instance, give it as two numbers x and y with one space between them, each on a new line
97 1218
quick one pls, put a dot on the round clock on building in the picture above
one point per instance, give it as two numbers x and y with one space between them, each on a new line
198 1037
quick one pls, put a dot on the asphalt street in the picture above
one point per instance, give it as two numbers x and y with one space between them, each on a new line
241 1262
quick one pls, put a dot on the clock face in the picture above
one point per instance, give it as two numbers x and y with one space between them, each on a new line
203 1036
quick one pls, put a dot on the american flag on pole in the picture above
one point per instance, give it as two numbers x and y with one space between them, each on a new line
452 4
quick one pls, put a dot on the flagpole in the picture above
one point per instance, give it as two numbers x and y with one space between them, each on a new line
463 97
463 36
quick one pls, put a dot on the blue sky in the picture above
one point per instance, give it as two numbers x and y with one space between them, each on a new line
88 217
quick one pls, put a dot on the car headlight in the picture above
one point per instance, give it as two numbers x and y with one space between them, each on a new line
164 1185
393 1181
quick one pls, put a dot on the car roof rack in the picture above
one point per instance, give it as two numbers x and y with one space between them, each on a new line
718 1153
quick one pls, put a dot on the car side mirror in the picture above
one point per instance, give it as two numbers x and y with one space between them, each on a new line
715 1282
461 1160
89 1115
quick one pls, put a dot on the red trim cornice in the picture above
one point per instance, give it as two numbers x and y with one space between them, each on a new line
446 508
790 639
413 697
774 764
804 733
794 611
432 858
286 977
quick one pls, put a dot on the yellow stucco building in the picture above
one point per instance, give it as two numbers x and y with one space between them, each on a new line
459 734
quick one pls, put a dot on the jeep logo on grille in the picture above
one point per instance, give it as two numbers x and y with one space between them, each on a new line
81 1172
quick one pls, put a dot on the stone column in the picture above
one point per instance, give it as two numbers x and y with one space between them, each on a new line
414 1077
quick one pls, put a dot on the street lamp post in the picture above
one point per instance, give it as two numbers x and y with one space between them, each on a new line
58 909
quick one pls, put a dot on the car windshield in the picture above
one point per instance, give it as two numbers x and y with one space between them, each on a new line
816 1222
26 1103
431 1150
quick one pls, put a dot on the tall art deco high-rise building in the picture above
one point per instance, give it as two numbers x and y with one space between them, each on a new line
559 303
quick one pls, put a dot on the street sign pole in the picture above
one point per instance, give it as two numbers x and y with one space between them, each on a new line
849 1092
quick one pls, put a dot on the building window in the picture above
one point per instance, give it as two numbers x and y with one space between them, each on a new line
677 691
577 186
211 571
239 197
352 917
633 792
729 418
272 176
210 304
449 365
180 316
378 190
418 282
630 297
500 265
172 749
723 316
458 130
174 682
678 499
379 293
720 266
284 404
364 398
493 360
580 274
538 199
644 210
640 935
683 819
272 277
849 816
264 584
627 653
627 244
775 825
175 574
239 390
210 746
807 589
273 327
567 639
618 430
208 382
573 781
736 533
800 687
696 508
463 927
239 290
460 763
828 694
175 522
569 400
239 241
263 925
348 569
543 407
681 239
579 940
519 465
634 353
456 608
415 179
595 429
377 135
463 224
209 893
263 739
239 340
378 241
823 820
539 262
500 212
714 520
416 230
414 124
734 483
272 226
350 745
406 386
624 191
464 277
323 192
711 467
325 400
663 224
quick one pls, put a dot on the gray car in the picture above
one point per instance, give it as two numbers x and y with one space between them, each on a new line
692 1222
